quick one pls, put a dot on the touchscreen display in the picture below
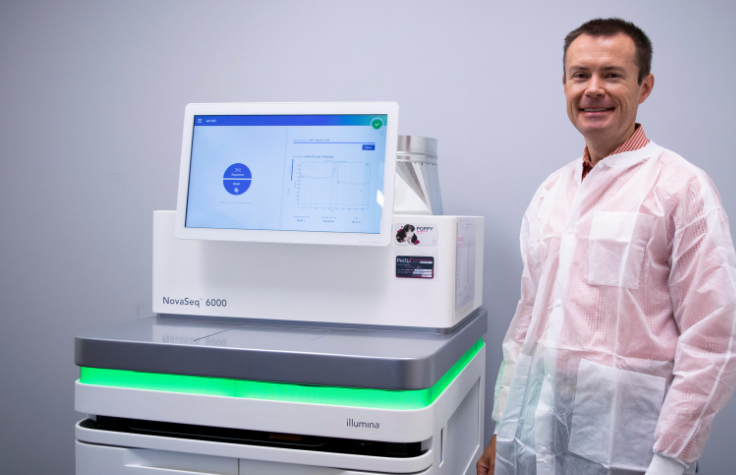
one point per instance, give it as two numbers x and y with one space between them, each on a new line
321 173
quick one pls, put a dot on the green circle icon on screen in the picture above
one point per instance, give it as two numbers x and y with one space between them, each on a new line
376 123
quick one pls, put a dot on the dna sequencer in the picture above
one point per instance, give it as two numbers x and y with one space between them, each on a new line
315 312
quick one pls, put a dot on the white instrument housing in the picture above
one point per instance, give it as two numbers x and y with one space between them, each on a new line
328 284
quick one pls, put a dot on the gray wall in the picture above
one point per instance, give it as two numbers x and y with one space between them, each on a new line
91 102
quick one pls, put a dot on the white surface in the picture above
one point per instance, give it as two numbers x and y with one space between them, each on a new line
465 263
93 459
406 200
417 188
335 284
451 424
98 460
391 109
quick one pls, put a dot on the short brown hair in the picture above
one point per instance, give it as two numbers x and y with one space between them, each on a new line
612 27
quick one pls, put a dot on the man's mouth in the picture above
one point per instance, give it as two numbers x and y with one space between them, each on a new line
596 109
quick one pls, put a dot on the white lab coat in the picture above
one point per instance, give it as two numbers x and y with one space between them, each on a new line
622 344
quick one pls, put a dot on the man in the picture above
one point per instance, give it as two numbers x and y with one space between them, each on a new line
621 350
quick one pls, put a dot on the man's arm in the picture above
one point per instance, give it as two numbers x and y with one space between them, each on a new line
703 291
516 334
487 463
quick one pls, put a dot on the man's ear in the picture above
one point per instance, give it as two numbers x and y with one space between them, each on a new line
647 85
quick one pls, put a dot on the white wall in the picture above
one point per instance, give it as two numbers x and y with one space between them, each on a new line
91 102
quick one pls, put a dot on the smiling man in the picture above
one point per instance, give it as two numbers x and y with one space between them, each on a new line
621 351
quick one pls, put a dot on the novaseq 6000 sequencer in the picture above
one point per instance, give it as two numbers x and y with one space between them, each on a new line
302 326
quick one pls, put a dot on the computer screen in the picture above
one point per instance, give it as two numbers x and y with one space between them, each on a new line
309 173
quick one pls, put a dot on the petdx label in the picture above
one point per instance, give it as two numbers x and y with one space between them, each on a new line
415 267
415 234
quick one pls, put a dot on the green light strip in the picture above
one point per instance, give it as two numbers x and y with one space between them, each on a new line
329 395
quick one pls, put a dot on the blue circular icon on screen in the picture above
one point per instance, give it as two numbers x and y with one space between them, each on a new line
237 179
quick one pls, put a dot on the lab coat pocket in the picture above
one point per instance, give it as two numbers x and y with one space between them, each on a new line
617 246
614 416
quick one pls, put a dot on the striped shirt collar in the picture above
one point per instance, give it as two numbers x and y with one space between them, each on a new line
637 141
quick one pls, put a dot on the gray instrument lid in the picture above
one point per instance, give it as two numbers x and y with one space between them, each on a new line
266 351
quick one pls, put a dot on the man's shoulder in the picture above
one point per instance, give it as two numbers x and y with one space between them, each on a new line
560 176
691 192
677 173
673 162
563 172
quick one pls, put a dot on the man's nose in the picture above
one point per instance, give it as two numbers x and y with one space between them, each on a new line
595 87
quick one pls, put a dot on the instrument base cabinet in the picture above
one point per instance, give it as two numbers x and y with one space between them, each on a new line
451 439
95 459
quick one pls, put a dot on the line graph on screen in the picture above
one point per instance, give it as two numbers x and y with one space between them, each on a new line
333 185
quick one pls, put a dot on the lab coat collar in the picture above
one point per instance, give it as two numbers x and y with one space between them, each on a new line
578 171
627 159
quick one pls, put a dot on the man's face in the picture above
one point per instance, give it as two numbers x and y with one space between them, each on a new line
601 86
